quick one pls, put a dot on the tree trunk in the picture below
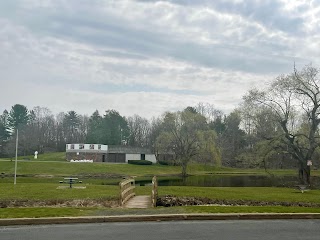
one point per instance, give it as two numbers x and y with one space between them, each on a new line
184 164
307 171
304 174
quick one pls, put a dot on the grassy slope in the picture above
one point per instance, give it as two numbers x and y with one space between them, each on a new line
54 156
45 165
244 193
40 167
66 168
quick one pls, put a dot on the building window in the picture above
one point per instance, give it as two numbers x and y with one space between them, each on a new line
67 146
91 146
81 146
143 157
72 146
99 146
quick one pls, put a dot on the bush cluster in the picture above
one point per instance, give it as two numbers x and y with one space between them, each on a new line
140 162
161 162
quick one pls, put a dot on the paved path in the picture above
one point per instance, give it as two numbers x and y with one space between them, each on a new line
187 230
139 202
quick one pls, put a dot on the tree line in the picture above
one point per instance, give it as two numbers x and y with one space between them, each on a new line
274 127
195 131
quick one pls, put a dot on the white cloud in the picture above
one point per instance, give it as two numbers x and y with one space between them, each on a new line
164 55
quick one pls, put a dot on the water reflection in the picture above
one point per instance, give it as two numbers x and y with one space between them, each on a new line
233 181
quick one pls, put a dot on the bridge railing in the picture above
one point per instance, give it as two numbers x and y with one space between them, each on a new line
127 187
154 194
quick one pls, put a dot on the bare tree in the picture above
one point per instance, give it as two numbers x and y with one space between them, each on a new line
139 131
209 111
295 102
60 136
41 128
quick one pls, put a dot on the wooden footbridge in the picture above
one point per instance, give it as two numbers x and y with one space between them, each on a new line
128 198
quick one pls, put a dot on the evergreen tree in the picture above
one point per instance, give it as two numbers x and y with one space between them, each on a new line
95 128
18 116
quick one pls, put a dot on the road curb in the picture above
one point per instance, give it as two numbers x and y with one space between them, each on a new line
159 217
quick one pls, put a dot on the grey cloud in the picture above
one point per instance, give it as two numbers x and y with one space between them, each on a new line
76 43
80 25
111 32
144 42
124 55
233 57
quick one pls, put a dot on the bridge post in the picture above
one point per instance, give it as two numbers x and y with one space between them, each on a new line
154 194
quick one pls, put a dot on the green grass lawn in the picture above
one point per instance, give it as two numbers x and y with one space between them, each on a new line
45 212
31 212
46 191
243 193
54 156
248 209
39 179
67 169
56 180
63 168
49 191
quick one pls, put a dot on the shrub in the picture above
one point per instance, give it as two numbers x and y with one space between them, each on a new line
169 162
140 162
163 162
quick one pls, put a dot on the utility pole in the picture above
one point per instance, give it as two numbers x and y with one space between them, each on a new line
15 166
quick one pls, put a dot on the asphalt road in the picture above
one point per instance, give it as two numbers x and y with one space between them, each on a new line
200 230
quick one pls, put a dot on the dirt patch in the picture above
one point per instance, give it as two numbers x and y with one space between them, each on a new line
43 176
59 203
171 201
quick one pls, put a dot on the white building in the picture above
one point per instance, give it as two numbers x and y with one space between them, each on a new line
107 153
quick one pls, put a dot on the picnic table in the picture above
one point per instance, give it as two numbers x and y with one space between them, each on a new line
70 181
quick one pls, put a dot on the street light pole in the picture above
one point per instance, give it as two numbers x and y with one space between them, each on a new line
15 166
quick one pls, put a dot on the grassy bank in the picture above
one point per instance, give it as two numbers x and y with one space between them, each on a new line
55 180
243 193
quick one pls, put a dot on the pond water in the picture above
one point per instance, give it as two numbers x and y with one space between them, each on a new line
233 181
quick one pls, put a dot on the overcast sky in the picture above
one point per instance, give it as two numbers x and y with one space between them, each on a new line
147 57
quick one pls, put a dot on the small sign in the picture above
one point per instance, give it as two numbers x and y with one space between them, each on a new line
309 163
36 155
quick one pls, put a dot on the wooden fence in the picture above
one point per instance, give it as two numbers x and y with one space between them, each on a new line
127 187
154 194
